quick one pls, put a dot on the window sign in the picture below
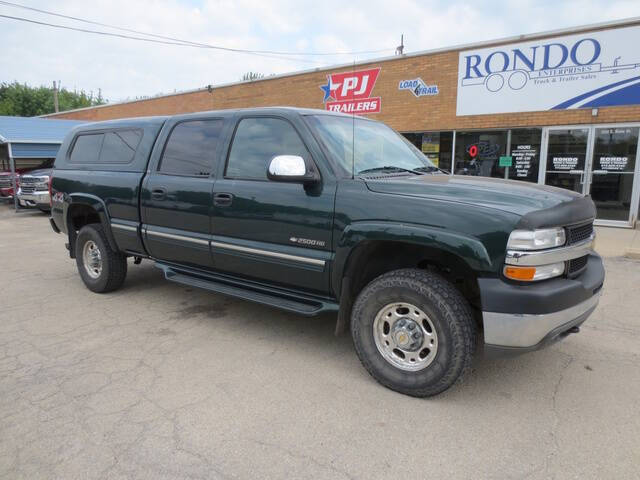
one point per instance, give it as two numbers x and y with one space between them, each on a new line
505 161
565 163
431 142
613 164
524 156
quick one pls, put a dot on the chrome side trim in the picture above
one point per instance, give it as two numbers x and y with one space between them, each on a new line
269 253
173 236
520 330
545 257
129 228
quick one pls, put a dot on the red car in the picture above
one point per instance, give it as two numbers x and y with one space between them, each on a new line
6 185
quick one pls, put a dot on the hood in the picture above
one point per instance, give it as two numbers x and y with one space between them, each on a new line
38 173
511 196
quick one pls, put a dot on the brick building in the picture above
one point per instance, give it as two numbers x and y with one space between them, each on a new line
560 108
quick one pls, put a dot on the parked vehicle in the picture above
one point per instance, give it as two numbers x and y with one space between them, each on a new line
34 189
6 185
311 211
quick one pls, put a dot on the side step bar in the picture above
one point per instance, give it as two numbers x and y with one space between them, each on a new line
302 305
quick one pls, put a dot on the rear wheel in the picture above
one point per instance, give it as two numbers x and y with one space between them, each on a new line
413 331
101 268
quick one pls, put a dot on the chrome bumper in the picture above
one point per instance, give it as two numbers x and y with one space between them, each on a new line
527 331
33 199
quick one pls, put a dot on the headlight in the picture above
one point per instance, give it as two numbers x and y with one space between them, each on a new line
533 274
536 239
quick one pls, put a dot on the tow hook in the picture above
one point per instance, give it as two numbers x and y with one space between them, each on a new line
137 260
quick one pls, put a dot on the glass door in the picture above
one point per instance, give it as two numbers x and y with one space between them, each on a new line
612 172
566 159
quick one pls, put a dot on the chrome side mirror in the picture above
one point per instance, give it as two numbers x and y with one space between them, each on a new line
291 168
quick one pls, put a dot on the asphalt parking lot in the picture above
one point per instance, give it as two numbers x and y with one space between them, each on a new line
161 381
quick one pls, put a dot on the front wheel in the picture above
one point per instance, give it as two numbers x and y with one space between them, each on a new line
413 331
101 268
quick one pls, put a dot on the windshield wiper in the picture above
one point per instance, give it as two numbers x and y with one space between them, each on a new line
428 169
390 168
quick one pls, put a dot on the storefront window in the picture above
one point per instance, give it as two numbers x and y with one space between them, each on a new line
525 154
478 153
435 145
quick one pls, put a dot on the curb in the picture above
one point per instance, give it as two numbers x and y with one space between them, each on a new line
633 253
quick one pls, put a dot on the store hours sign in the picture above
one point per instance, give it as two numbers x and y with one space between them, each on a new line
586 70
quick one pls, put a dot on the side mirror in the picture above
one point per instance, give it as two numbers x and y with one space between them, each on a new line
291 168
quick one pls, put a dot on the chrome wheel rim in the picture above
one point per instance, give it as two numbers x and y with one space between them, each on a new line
92 259
405 336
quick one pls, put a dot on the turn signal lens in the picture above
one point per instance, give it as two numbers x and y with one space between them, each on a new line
532 274
525 274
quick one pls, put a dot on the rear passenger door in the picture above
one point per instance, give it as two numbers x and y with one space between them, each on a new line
177 194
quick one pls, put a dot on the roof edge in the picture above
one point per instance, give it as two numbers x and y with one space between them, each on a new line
464 46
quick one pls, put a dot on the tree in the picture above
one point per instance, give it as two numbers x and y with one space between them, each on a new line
21 100
251 76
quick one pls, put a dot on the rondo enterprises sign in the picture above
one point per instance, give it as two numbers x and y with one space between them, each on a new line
350 92
587 70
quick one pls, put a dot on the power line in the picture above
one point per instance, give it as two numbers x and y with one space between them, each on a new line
150 40
187 42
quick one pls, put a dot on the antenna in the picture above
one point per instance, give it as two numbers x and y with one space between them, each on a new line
353 134
400 48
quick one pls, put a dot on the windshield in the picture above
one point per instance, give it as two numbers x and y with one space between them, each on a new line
377 147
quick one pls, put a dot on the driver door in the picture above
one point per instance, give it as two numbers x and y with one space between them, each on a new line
267 230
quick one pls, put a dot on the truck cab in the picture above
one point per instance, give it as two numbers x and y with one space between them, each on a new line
311 211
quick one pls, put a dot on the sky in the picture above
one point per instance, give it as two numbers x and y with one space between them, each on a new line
126 69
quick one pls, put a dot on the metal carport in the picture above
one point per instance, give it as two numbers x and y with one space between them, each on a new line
29 139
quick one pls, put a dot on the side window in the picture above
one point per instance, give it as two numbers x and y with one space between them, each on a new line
120 146
256 142
87 148
191 148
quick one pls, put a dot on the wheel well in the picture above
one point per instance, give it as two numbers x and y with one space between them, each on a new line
77 217
373 259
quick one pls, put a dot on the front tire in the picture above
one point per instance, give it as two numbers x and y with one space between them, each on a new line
101 268
413 331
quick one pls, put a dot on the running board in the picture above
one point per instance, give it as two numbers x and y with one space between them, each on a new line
300 304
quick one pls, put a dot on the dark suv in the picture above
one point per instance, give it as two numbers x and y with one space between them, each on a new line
311 211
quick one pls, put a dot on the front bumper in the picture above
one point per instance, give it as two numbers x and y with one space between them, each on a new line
35 199
521 318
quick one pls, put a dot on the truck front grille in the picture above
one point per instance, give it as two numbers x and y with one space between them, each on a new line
577 265
579 233
5 181
27 188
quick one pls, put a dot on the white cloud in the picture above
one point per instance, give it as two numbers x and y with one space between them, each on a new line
126 69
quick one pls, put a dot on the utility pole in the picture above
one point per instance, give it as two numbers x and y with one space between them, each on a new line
55 95
400 48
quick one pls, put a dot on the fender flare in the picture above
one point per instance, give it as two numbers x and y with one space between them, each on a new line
97 204
469 249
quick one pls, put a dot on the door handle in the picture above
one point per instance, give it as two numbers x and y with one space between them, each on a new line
578 172
222 199
601 172
158 193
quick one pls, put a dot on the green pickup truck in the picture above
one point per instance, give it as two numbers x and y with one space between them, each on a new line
311 212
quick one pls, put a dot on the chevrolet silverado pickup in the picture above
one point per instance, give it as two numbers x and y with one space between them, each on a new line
33 191
311 212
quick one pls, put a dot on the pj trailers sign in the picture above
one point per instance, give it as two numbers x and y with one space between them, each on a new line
594 69
350 92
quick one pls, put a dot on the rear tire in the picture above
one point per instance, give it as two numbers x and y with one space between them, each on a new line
413 331
101 268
